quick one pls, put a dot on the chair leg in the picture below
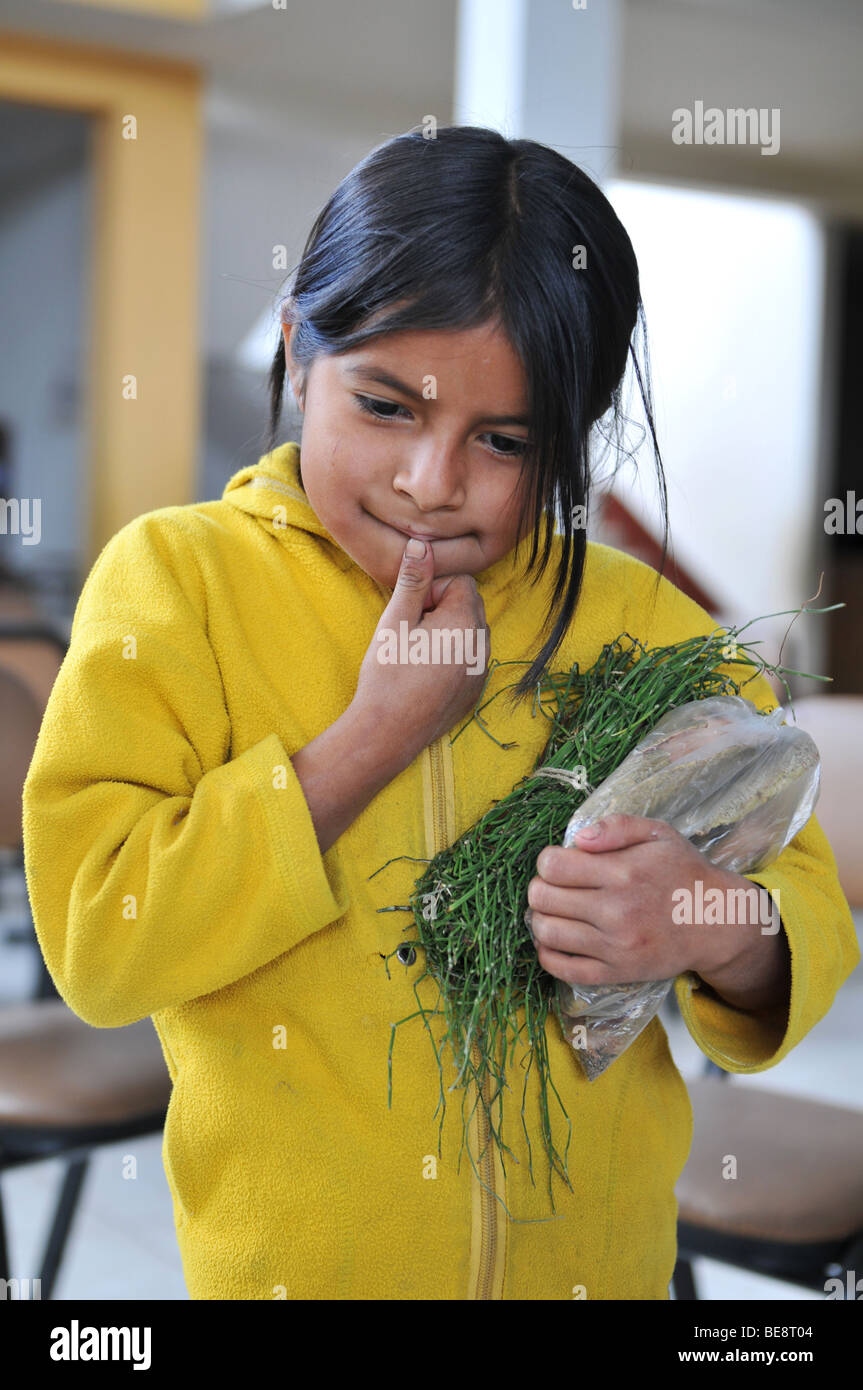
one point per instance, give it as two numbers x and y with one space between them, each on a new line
711 1069
683 1281
59 1233
45 987
4 1249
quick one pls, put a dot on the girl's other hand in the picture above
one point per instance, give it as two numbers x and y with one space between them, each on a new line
610 909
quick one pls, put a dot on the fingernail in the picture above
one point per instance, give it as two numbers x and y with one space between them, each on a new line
416 549
590 832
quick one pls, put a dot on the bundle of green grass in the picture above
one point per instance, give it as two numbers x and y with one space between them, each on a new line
469 904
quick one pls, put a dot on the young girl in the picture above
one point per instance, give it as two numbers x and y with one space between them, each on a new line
226 760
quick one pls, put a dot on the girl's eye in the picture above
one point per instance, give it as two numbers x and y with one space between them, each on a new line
519 446
505 446
371 405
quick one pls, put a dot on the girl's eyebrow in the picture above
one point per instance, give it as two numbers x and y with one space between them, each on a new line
385 378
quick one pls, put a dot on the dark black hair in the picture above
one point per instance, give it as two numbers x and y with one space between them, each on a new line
467 227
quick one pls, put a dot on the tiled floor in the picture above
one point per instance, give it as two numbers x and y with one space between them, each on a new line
122 1245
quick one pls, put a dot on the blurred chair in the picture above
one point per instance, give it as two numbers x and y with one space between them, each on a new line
65 1088
32 649
795 1210
20 718
31 653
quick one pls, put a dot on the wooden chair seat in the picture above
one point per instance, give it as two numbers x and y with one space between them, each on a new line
20 717
799 1165
58 1072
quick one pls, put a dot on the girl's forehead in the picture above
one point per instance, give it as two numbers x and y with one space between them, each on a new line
464 368
484 343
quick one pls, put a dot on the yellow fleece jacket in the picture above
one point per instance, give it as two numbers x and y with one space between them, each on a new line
174 872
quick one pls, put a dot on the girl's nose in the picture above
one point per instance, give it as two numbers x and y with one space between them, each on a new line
432 478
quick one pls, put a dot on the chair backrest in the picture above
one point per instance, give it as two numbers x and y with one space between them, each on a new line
20 720
835 722
34 657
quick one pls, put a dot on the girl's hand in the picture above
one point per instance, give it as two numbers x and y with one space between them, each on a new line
417 703
602 913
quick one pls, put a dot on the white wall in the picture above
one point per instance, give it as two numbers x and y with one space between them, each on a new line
268 170
733 289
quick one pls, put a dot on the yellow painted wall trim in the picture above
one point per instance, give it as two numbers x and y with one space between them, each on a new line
144 267
181 9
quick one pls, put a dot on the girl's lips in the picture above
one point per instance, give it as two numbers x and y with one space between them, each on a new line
422 535
409 531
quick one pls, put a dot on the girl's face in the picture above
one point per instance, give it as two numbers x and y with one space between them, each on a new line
418 433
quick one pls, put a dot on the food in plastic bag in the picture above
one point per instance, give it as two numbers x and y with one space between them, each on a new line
739 785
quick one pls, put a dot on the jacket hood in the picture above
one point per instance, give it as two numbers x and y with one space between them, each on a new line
274 482
272 491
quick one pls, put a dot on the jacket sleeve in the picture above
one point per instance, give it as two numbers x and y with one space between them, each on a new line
158 867
815 915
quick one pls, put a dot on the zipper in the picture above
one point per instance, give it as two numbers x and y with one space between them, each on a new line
488 1242
443 834
438 788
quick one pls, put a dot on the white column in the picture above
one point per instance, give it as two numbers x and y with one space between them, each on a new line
544 70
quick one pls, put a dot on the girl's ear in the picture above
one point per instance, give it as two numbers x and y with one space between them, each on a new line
296 376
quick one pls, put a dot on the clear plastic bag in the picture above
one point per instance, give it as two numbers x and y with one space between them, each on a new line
739 785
